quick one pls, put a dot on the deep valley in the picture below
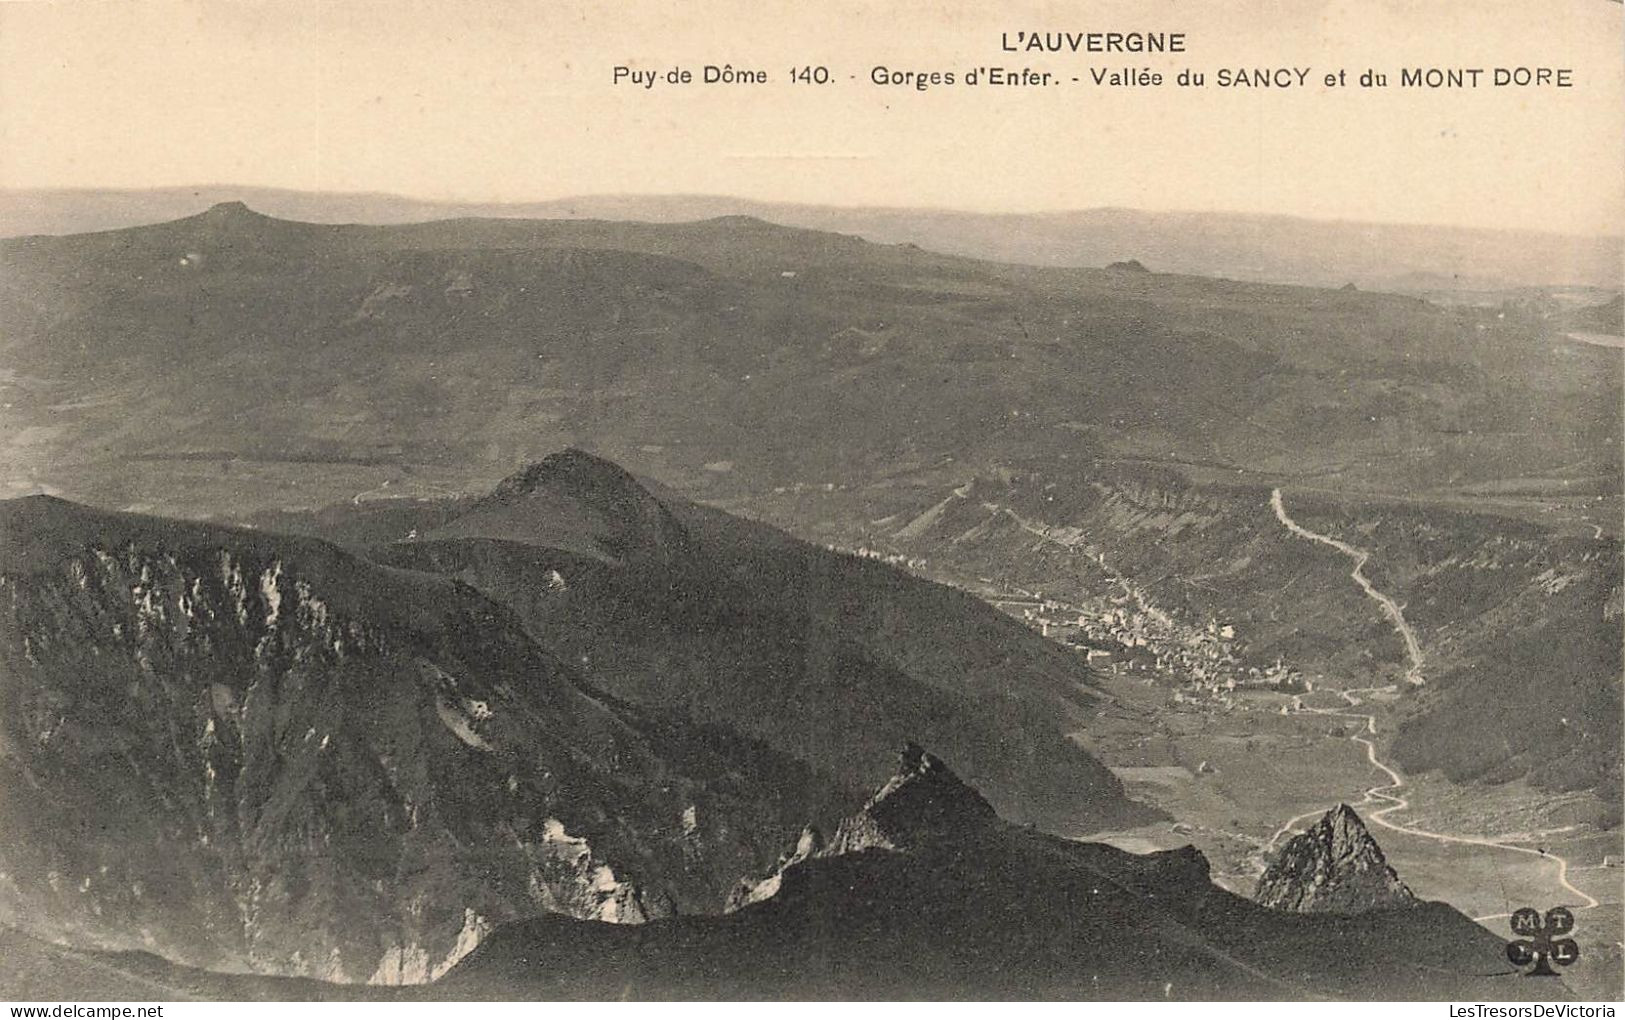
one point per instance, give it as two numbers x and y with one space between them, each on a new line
537 608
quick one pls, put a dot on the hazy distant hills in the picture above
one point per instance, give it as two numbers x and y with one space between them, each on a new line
926 893
1604 318
726 355
1239 246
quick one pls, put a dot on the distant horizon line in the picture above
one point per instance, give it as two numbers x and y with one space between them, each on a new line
789 203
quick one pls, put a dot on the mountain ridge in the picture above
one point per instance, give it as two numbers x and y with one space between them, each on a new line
990 910
957 232
300 730
984 911
827 657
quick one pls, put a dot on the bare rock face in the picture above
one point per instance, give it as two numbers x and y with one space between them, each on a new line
256 752
1335 867
749 890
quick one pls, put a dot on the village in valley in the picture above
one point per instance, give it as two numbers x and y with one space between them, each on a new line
1130 636
1126 634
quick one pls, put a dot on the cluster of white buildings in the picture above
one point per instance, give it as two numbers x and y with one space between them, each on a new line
1121 637
890 559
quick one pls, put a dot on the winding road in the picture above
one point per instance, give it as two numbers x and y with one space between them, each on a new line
1387 794
1390 608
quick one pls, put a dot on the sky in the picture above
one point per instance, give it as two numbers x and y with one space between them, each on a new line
515 101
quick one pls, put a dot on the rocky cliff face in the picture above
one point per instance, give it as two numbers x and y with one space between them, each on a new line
1335 867
938 900
255 752
925 892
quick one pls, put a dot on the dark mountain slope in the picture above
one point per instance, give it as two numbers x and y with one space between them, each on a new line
928 894
933 896
256 751
828 657
1608 317
578 503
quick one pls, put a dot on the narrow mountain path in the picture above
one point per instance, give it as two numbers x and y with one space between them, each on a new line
1390 608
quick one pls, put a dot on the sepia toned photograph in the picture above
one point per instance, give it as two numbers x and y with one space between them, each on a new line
738 501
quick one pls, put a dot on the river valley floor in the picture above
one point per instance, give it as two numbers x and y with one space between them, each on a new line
1234 776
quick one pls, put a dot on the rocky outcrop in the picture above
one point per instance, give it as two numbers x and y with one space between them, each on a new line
810 844
925 893
924 806
1334 867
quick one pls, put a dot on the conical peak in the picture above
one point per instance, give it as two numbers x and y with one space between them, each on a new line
1335 866
232 213
570 468
1345 832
